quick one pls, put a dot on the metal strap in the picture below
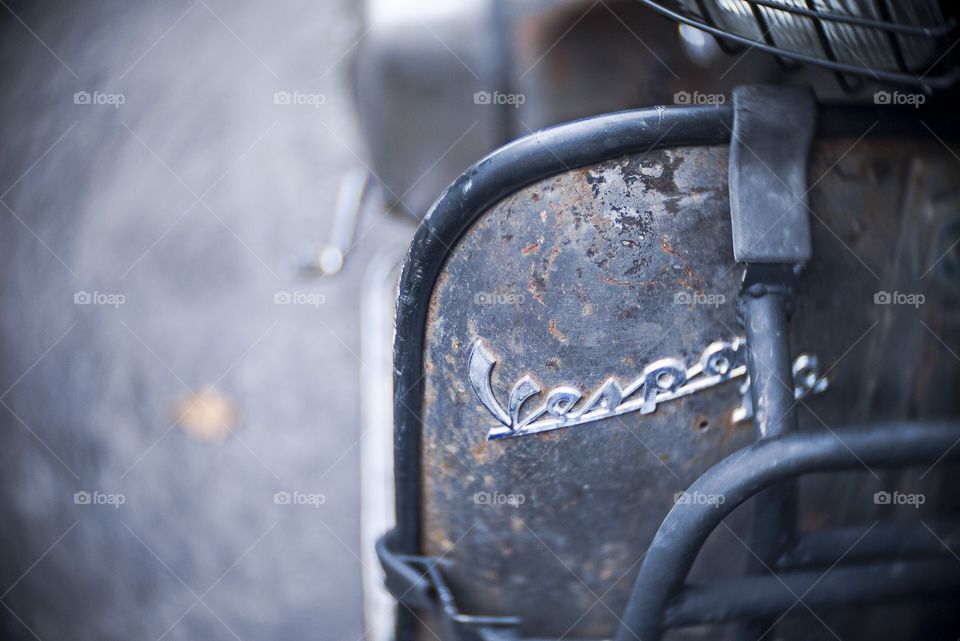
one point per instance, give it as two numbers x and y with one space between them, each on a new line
773 129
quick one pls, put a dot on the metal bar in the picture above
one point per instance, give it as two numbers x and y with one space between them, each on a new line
771 388
845 83
893 39
747 472
842 587
769 364
725 46
891 539
349 205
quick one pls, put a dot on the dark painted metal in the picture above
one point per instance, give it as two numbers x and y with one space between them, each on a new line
406 583
772 597
773 129
879 540
743 475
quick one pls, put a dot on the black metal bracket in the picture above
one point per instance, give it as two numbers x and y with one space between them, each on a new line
417 583
773 128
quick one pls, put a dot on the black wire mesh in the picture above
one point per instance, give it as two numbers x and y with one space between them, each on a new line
903 42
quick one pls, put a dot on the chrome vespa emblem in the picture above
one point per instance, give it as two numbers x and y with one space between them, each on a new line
662 380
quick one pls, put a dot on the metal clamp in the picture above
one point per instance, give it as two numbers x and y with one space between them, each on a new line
418 583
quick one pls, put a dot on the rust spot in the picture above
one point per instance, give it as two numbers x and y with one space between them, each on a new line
429 393
537 282
691 279
700 423
609 280
550 258
532 248
814 518
536 285
552 327
481 453
730 428
208 416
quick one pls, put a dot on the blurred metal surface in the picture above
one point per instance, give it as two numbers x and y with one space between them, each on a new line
443 83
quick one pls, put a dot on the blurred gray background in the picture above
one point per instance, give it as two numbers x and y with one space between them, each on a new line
144 358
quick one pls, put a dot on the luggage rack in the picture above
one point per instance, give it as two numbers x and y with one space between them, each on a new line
912 48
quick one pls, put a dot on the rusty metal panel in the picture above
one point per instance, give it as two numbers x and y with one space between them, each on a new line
598 271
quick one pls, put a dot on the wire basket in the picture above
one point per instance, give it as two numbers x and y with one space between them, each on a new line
897 41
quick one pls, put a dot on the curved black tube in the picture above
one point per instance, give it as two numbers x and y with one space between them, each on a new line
743 474
772 596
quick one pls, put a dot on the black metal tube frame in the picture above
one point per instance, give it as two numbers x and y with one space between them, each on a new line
885 539
741 476
771 597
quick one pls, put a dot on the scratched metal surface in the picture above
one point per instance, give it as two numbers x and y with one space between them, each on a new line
575 279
